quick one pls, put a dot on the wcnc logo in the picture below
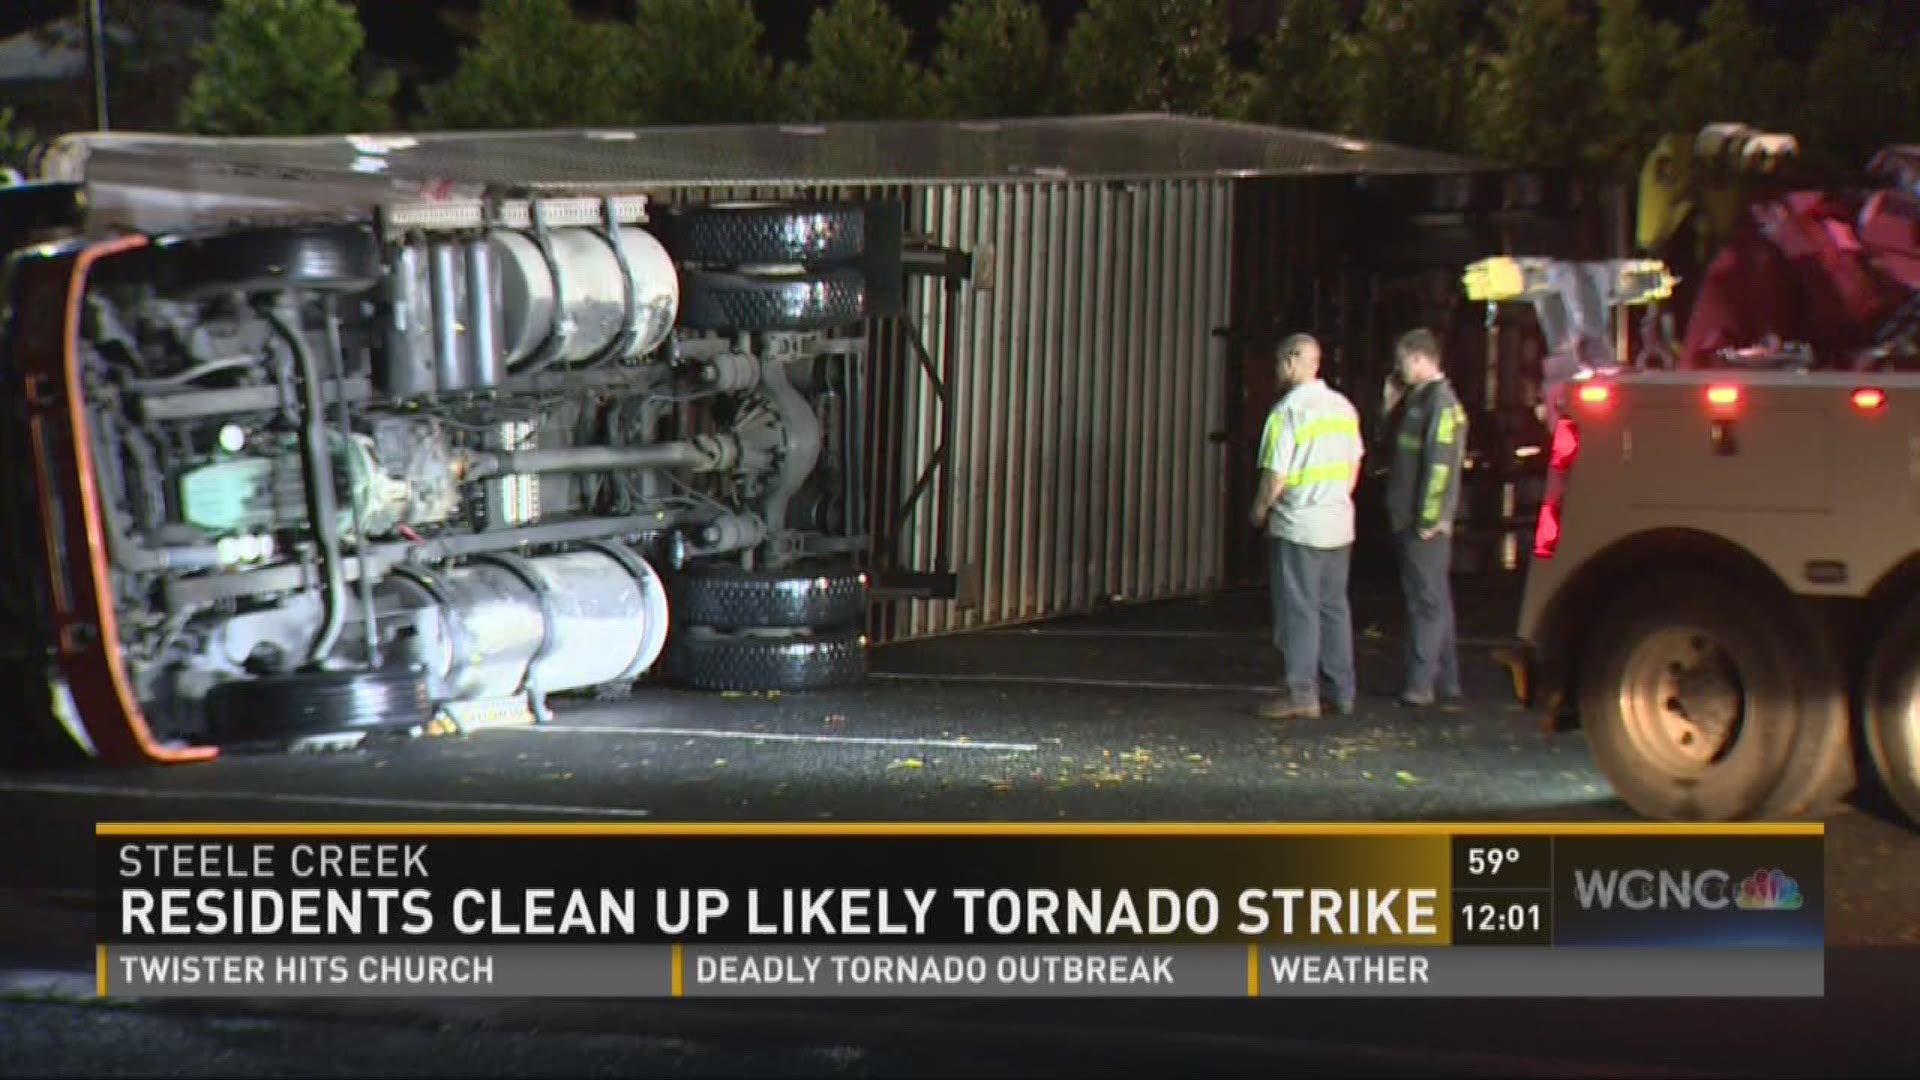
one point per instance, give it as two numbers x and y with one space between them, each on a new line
1685 890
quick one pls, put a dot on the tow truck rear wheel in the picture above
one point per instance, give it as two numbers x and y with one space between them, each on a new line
1892 712
1703 703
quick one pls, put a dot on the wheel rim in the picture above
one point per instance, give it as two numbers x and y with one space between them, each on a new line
1904 743
1684 701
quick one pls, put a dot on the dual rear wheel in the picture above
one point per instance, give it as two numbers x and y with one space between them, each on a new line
797 628
1890 712
1707 702
1702 701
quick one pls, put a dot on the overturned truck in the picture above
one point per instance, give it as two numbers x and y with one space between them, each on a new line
302 456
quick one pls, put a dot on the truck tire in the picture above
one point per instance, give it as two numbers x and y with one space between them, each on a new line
1891 713
1701 702
726 597
281 711
320 258
740 234
704 659
745 303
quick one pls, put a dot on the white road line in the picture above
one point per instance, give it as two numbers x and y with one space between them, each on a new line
775 736
48 985
33 787
1070 680
1207 635
1073 632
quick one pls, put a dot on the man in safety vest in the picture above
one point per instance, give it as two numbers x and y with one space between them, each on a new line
1310 456
1423 493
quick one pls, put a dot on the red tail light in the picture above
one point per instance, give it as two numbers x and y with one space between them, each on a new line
1868 399
1566 447
1593 396
1723 398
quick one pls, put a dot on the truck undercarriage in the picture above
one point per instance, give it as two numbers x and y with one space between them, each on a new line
299 483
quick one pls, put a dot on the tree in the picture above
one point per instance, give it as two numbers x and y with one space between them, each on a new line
150 47
534 64
1410 74
1733 71
1638 58
698 61
857 66
285 67
1537 100
1298 81
994 60
1151 55
1859 96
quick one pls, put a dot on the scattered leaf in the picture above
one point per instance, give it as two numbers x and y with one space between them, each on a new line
1405 777
719 763
908 763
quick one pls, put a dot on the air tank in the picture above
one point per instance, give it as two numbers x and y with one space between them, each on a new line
590 287
406 367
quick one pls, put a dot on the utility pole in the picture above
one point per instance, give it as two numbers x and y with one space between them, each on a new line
96 59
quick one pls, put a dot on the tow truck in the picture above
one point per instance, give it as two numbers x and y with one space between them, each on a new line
1724 590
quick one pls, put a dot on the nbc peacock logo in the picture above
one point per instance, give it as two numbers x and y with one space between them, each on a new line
1769 890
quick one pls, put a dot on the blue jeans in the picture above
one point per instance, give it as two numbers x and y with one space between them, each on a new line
1433 656
1312 622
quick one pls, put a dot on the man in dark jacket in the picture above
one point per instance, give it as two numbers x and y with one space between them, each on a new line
1423 492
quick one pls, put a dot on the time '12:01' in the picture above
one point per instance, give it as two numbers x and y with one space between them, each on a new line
1502 918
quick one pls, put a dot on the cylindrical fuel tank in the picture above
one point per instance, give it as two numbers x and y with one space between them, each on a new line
552 623
590 286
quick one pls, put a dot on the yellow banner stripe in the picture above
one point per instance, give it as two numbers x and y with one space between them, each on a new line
770 829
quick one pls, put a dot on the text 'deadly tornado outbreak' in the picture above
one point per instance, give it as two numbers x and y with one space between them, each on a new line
457 910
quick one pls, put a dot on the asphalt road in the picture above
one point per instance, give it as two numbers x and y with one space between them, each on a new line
1137 715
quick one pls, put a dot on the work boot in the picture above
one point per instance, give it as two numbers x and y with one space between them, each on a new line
1283 708
1417 699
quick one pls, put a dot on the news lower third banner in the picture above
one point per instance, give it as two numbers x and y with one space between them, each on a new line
210 910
